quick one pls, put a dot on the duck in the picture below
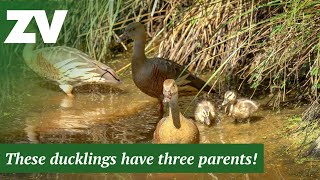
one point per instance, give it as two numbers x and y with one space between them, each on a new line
239 109
175 128
149 74
205 112
68 67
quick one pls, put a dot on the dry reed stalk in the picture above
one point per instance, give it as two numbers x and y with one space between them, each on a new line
279 38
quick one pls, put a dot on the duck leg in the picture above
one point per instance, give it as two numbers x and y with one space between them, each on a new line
67 89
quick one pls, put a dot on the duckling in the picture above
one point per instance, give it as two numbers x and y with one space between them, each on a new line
239 109
175 128
205 112
68 67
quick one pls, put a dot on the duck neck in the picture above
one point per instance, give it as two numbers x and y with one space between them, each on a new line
174 111
28 52
139 56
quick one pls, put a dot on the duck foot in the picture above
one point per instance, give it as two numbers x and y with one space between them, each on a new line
67 89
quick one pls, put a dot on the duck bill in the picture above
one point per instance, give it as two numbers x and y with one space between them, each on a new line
122 38
166 99
224 102
114 82
207 121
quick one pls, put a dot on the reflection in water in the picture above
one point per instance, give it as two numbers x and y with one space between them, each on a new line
94 117
35 111
67 102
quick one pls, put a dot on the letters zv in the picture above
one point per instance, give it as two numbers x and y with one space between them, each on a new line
49 33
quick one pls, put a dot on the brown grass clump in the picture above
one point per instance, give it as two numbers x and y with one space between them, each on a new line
266 44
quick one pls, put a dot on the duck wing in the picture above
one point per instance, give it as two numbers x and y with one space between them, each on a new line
247 105
166 69
156 133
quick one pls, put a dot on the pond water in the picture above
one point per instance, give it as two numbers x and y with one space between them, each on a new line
33 110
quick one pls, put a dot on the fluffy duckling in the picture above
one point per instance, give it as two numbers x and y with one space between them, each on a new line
175 128
239 109
205 112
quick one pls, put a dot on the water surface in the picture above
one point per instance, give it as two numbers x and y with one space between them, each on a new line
33 110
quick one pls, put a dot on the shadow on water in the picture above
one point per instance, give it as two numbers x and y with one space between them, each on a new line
36 111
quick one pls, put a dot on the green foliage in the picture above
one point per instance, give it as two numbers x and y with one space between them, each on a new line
295 119
302 134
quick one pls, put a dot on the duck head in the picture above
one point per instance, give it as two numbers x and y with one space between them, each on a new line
170 90
110 76
205 112
229 97
133 31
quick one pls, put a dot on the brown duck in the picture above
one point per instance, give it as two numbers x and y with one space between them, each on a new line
68 67
149 73
174 129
